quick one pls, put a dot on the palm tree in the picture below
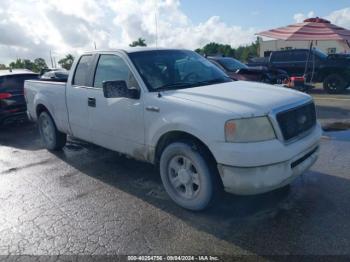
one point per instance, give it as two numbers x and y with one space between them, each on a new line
138 42
67 61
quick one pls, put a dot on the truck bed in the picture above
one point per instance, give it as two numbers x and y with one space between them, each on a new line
38 91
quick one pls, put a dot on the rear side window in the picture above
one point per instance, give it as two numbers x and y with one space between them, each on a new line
280 57
82 70
299 56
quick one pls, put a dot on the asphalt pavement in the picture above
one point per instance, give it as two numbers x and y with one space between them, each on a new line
332 108
89 200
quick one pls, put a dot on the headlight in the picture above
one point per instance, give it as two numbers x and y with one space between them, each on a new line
249 130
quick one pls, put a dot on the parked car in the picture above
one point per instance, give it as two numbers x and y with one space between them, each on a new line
56 75
175 109
45 70
239 71
12 104
332 70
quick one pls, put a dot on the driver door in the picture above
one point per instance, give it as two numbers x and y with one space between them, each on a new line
115 123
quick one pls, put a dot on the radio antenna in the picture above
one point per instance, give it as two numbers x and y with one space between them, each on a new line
156 22
51 59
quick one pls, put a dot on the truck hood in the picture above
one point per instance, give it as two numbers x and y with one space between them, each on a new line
243 98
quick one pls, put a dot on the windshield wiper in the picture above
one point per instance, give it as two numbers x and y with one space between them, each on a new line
172 86
214 81
179 85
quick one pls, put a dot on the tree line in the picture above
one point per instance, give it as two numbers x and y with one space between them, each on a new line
38 64
242 53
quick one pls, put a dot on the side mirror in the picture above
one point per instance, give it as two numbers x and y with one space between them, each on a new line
114 89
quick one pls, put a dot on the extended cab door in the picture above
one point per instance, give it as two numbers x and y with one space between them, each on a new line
77 98
116 123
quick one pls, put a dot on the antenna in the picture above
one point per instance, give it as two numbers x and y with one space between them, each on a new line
156 22
51 59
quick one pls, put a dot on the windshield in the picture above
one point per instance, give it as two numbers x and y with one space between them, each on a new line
320 54
175 69
231 64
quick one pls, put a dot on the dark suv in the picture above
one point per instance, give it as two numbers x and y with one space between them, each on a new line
12 103
332 70
239 71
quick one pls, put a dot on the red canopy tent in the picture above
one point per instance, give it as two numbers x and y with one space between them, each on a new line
311 29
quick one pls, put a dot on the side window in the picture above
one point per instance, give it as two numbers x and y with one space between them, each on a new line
82 70
331 50
112 67
277 56
300 56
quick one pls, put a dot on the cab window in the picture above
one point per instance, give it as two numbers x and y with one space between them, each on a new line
82 70
112 68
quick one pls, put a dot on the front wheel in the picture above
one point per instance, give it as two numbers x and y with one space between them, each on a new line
334 84
186 176
52 138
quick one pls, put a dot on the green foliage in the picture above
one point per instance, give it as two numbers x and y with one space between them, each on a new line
2 67
35 66
242 53
66 62
39 64
138 42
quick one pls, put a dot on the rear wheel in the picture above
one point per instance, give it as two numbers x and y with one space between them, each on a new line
265 79
334 84
52 138
187 177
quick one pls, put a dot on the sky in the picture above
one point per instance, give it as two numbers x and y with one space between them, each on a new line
31 28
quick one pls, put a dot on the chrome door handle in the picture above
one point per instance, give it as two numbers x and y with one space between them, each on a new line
152 108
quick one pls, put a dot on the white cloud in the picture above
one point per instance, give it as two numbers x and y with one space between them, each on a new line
31 28
300 17
340 17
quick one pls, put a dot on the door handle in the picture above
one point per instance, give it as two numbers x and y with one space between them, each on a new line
92 102
152 108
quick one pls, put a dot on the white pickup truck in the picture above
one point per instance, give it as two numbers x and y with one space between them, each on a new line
175 109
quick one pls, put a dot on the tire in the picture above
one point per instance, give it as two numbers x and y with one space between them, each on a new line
281 79
334 84
188 177
265 79
52 138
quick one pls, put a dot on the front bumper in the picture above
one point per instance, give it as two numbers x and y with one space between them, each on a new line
264 167
255 180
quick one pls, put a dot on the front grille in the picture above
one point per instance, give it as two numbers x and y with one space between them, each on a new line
297 120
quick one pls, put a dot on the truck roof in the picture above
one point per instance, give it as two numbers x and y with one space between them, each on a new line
7 72
297 49
294 49
134 49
